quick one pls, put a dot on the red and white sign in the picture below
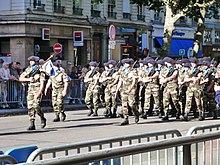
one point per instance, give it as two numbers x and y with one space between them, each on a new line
45 34
57 48
78 38
112 32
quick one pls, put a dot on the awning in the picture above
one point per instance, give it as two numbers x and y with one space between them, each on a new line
180 47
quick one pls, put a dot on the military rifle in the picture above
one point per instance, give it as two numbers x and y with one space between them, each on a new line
170 73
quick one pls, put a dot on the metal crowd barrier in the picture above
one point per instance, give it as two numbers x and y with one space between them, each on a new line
184 142
5 159
200 130
94 145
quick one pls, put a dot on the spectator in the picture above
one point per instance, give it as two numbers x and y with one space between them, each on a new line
19 68
1 62
75 84
14 85
5 76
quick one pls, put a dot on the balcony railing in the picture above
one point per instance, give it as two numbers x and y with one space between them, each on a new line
141 17
77 11
39 7
95 13
127 16
59 9
112 14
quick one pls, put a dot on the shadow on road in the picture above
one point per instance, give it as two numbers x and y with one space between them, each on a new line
86 119
25 132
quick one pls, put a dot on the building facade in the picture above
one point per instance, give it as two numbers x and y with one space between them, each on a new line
33 26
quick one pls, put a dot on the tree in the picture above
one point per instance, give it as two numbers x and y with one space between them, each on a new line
198 11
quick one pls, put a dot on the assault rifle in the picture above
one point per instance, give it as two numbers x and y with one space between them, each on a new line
195 73
170 73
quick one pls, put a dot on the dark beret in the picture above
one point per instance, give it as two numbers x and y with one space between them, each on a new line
93 63
145 62
105 64
151 61
141 61
187 65
33 58
112 62
127 60
185 60
160 62
206 63
193 60
57 63
178 62
148 58
131 61
207 59
169 60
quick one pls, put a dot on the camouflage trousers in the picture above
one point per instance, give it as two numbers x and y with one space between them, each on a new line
170 92
33 103
128 100
110 99
208 101
197 93
57 100
151 89
94 95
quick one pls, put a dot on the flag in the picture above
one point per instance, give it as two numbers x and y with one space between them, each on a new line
48 68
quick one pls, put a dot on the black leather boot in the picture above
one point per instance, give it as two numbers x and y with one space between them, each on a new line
63 116
43 121
32 125
201 116
114 115
95 113
125 122
215 116
144 116
57 118
165 118
90 112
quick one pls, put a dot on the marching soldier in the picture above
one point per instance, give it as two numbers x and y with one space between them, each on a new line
92 92
128 85
150 79
194 89
35 89
112 79
102 81
59 81
169 81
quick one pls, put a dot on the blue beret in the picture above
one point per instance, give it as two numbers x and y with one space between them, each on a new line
193 60
33 58
148 58
207 59
127 60
187 65
105 64
185 60
206 63
169 60
93 63
57 63
141 61
160 62
113 62
152 61
131 61
178 62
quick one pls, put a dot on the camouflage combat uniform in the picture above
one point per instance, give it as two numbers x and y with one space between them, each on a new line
140 89
92 91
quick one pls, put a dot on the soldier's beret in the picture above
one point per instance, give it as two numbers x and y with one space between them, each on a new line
41 61
185 60
151 61
148 58
187 65
57 63
193 60
206 63
145 62
93 63
160 62
131 61
169 60
207 59
105 64
178 62
214 62
141 61
113 62
127 60
33 58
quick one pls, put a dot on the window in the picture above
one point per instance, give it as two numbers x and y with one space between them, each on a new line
140 9
38 5
126 6
217 36
207 36
58 6
111 8
95 9
77 7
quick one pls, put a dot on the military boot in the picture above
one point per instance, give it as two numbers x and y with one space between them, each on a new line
201 116
32 125
95 113
125 122
185 117
109 114
63 116
90 112
215 116
166 117
57 118
114 115
43 121
144 116
136 117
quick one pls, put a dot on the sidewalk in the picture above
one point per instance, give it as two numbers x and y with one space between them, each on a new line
21 111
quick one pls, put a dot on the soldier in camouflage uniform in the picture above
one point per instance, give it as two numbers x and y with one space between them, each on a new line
193 78
103 86
150 79
207 82
111 81
92 92
35 88
169 81
128 85
59 81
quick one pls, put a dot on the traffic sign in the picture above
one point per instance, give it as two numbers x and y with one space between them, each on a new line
112 32
57 48
112 44
182 52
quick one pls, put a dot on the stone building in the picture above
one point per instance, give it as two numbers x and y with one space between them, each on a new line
33 26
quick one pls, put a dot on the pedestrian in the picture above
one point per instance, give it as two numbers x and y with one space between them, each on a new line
92 92
35 89
59 82
75 84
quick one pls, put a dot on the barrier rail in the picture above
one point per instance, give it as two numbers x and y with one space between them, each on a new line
106 143
132 150
204 129
7 159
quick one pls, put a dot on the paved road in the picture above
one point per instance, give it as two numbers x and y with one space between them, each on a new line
79 127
